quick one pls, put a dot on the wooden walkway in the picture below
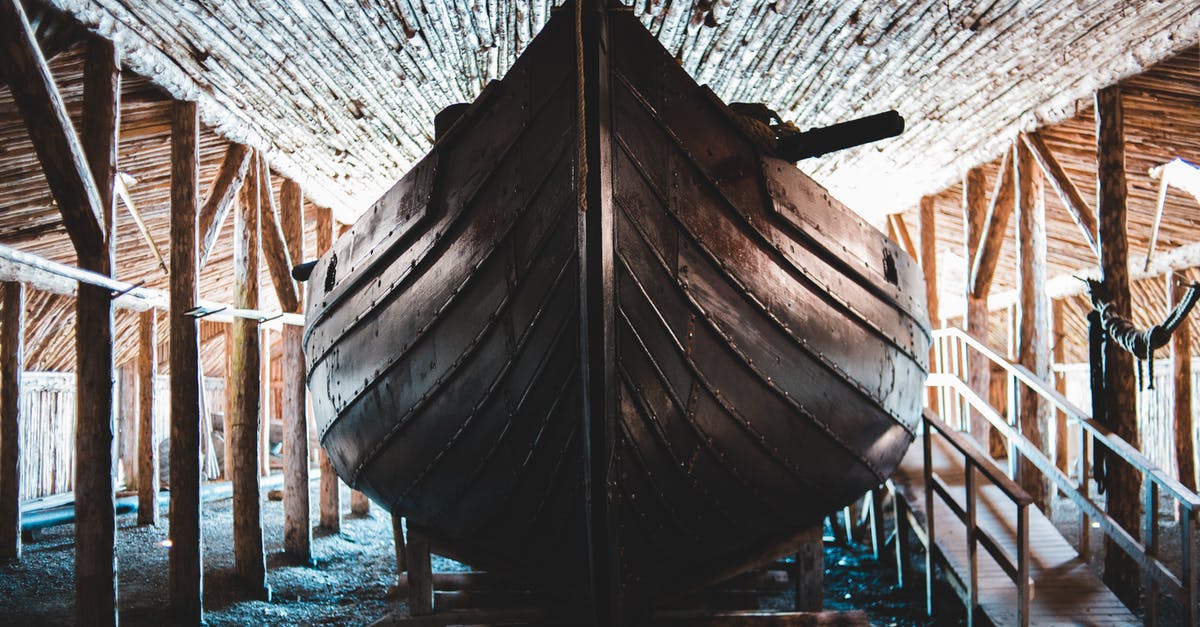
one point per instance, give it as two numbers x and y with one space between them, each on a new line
1065 590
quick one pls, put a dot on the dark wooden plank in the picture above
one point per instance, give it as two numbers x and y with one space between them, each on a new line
12 337
185 574
242 429
147 368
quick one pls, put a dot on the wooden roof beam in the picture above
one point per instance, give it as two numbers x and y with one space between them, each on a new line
274 244
221 196
1080 212
54 139
995 227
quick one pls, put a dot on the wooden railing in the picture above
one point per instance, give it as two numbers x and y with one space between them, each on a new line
977 463
956 399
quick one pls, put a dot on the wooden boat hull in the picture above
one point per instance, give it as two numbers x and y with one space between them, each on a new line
622 381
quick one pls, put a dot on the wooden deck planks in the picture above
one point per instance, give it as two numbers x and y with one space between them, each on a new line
1065 590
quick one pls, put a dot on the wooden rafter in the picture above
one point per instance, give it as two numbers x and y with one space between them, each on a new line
54 139
122 190
1080 212
221 196
274 245
1000 209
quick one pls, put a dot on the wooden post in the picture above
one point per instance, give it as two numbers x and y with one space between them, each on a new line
297 532
242 422
1033 349
1181 357
420 574
398 537
147 367
928 219
809 575
127 376
185 574
1061 440
12 329
1121 573
330 507
978 374
264 439
229 385
95 505
360 505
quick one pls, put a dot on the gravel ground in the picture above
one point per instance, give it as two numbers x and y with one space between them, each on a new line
348 582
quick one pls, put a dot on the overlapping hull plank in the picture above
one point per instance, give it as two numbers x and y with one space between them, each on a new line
770 348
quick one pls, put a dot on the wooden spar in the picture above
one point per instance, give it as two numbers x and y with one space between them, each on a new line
241 423
896 221
928 218
1124 485
983 267
1080 212
1061 441
297 532
57 278
12 336
221 196
122 190
95 505
1033 349
147 368
128 421
185 574
330 502
974 206
59 149
1181 357
274 243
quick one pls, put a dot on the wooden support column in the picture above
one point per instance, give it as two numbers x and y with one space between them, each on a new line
127 378
978 373
1121 573
147 368
809 575
928 226
185 573
330 507
12 330
229 385
1033 323
398 537
1181 358
297 532
95 504
1062 441
420 574
264 438
242 422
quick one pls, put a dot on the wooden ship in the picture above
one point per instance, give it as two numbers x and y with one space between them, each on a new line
606 338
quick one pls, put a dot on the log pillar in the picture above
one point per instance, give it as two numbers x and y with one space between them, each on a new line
809 575
227 464
928 219
978 372
297 531
398 537
1121 573
241 424
95 503
12 329
147 368
1033 324
264 438
1062 441
1181 358
330 507
185 573
127 378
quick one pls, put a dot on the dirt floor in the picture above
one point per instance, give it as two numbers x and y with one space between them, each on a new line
348 581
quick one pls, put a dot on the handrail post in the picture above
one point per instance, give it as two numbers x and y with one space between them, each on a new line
1023 564
929 517
972 544
1150 540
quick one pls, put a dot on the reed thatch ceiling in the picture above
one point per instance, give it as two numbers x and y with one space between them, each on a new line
342 93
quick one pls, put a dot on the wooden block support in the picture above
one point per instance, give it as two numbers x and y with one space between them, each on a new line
809 573
1033 323
297 531
360 505
420 574
147 367
1181 356
1124 486
12 330
185 577
978 374
241 424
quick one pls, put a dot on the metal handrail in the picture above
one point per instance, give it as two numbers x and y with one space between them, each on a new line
1144 553
975 462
